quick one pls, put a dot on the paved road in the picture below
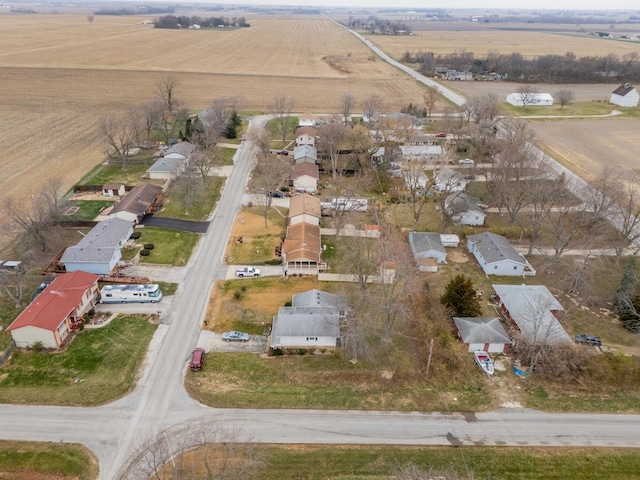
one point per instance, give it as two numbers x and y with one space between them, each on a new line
175 223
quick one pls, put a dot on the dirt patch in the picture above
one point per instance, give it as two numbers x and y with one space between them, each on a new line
457 256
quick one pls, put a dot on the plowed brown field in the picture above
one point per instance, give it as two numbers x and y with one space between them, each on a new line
59 74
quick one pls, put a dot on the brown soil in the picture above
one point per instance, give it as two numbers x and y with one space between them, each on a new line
457 256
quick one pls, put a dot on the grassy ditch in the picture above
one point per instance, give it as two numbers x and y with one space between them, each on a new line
31 460
98 366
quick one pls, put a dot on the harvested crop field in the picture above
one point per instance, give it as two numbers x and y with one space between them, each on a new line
59 74
529 44
589 145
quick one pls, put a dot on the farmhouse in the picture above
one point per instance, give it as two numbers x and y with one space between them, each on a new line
482 333
532 309
427 246
101 249
625 96
58 309
534 99
305 177
448 180
464 209
306 136
496 256
141 200
313 320
304 208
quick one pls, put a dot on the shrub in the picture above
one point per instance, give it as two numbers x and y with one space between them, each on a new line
302 351
145 253
136 235
149 246
37 346
276 352
237 295
274 261
287 304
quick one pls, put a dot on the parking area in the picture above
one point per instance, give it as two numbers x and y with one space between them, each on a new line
213 342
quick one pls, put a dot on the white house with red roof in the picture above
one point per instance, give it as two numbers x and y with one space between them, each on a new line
49 317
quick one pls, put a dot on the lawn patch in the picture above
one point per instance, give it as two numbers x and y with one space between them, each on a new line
172 247
114 173
198 211
85 209
250 241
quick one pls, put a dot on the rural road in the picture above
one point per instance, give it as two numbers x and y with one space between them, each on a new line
115 431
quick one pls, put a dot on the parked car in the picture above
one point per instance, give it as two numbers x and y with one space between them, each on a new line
248 272
276 194
197 359
235 336
585 339
465 161
441 135
283 152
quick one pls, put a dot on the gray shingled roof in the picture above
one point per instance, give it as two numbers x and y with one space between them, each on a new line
460 202
305 322
318 298
481 330
421 242
99 244
181 148
495 248
305 151
170 165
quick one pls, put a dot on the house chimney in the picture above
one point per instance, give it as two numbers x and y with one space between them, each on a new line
627 85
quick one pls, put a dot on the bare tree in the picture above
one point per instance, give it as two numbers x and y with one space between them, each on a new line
261 138
32 217
150 114
119 135
174 112
270 174
565 224
543 194
417 184
606 193
430 97
332 134
13 281
347 102
218 115
528 95
90 18
626 218
188 190
203 162
372 109
282 108
564 97
166 90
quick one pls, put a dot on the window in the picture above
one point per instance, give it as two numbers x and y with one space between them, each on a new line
515 267
312 339
495 267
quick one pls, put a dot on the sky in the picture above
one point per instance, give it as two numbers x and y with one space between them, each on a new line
452 4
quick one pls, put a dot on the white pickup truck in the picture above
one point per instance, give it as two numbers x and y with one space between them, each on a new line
247 272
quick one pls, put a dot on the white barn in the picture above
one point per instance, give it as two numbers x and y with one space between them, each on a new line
535 99
625 96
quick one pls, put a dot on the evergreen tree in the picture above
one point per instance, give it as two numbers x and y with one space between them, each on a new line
460 295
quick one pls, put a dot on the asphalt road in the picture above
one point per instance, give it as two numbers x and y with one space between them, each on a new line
115 431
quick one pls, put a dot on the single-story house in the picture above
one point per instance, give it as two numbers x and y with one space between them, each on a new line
464 209
184 149
304 208
532 309
301 249
305 327
307 120
113 190
168 167
496 256
533 99
305 177
423 139
625 96
318 298
422 153
305 153
482 333
427 245
58 309
100 250
306 136
448 180
143 199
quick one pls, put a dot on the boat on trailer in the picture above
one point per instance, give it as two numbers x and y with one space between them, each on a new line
484 361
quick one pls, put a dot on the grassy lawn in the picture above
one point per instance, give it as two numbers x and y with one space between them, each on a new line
225 154
8 313
273 126
575 108
244 380
30 460
250 241
102 174
498 463
105 361
240 130
172 247
87 209
198 211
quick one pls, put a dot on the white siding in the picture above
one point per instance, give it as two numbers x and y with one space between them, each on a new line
303 342
28 335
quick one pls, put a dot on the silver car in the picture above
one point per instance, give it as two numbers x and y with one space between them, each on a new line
235 336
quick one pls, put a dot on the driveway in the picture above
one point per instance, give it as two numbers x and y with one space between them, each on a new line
133 308
213 342
258 199
156 273
175 224
265 271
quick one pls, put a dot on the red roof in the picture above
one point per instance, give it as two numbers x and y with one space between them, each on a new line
56 302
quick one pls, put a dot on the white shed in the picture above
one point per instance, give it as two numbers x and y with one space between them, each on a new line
625 96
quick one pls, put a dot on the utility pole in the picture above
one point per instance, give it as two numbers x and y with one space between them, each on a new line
429 358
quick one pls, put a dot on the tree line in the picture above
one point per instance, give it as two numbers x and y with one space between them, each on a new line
183 21
552 68
374 24
138 10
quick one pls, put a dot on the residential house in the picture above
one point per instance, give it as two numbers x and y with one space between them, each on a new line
464 209
305 177
421 153
496 256
305 153
113 190
55 311
532 99
533 310
304 208
143 199
307 120
312 320
100 250
415 179
301 249
306 136
448 180
482 333
625 96
173 162
426 245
